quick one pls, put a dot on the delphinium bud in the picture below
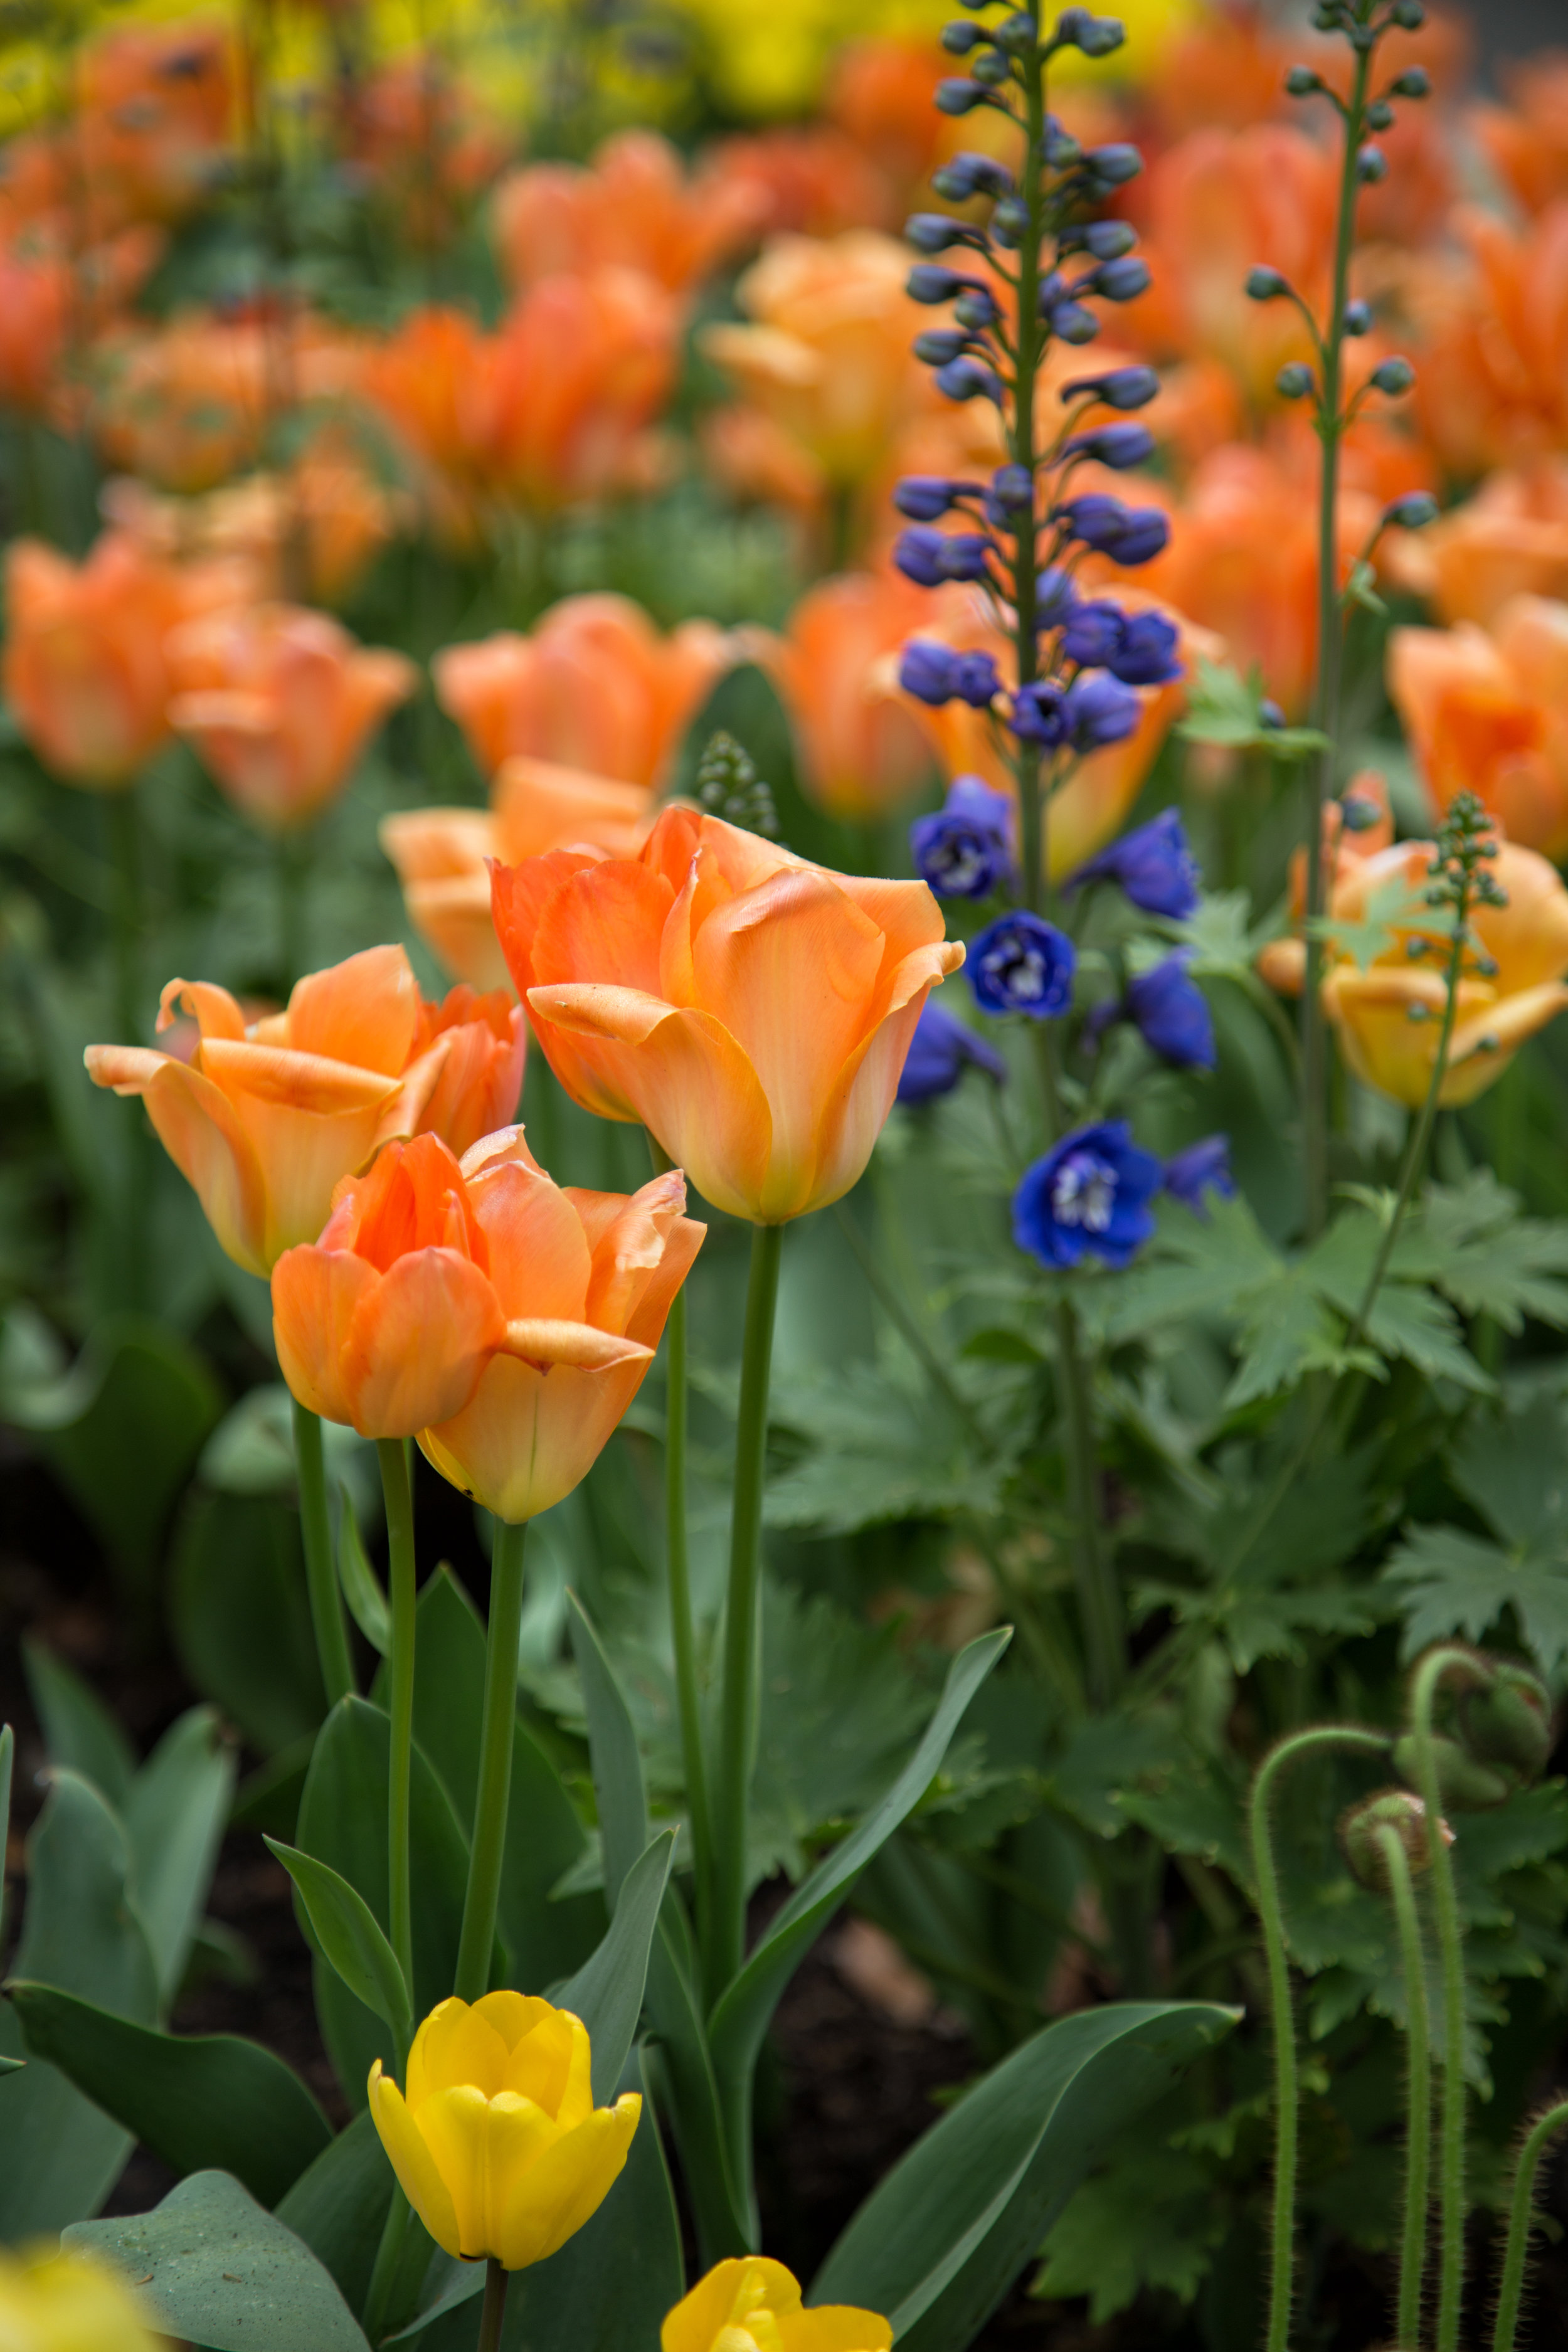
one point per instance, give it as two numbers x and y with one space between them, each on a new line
1361 1835
1294 381
1357 318
1413 513
1370 165
1121 388
1302 82
1392 376
1117 445
1414 82
1266 285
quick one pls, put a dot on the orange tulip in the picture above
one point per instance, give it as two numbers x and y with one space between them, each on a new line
156 106
263 1120
808 179
443 855
281 703
35 296
187 405
1388 1018
582 1283
1489 715
1492 381
881 95
634 207
1283 961
1509 540
87 664
422 141
567 388
751 1010
861 748
593 686
1526 142
421 380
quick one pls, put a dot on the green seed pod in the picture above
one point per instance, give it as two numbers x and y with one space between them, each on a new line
1360 1828
1464 1786
1509 1725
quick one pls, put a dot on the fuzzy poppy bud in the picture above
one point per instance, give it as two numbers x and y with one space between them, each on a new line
1464 1785
1510 1725
1361 1829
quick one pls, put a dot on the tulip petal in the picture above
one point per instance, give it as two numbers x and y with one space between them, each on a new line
418 2175
462 2045
539 1341
540 804
539 1252
518 2134
519 896
451 2123
316 1296
856 1111
527 1437
833 2328
513 2015
566 2186
549 2065
365 1010
214 1010
205 1138
419 1343
281 1074
627 1250
729 2293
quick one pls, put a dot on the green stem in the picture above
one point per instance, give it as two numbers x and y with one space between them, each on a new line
1520 2218
388 2260
125 856
1287 2077
1418 2123
494 2311
1424 1689
1326 696
496 1737
1022 450
738 1710
402 1592
327 1612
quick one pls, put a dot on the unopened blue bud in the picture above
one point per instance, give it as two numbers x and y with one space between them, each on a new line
934 232
1055 596
1148 653
1122 280
1380 115
1414 82
958 38
1409 15
1105 240
1294 381
1266 285
1118 446
991 70
940 344
929 283
967 380
925 670
1203 1167
1302 82
1105 34
1127 535
1370 165
1269 714
966 175
958 94
1357 320
1013 488
1393 376
1115 164
1122 388
1072 323
1099 709
976 309
1413 513
1017 34
931 557
926 497
1058 147
1010 222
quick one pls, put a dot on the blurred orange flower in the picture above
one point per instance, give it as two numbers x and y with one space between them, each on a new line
807 179
1488 714
262 1121
88 671
593 686
567 388
881 95
1492 381
421 380
634 207
187 405
1388 1018
280 702
751 1010
861 749
1509 540
1283 961
1224 72
316 528
423 141
35 296
155 117
1526 142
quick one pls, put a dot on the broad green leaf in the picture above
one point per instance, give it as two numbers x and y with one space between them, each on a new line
59 2155
1457 1583
175 1814
1511 1466
367 1602
606 1992
937 2244
79 1731
222 2271
688 2092
240 1616
740 2018
617 1768
339 2206
200 2102
345 1930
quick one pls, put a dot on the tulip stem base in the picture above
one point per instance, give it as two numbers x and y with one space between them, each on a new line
738 1720
327 1614
683 1630
402 1592
1418 2094
497 1737
494 2311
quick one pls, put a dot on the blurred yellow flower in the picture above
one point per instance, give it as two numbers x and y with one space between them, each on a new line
53 2301
750 2305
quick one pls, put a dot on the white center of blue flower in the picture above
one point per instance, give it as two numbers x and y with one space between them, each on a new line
961 862
1083 1191
1020 971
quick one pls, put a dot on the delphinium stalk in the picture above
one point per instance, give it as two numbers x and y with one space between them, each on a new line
1031 273
1363 113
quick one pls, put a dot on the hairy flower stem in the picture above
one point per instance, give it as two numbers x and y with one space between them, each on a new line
1428 1679
1287 2076
1330 425
738 1705
402 1592
1418 2118
492 1799
494 2311
1520 2217
327 1614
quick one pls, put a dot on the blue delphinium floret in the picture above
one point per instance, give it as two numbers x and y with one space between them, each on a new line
964 850
1153 864
939 1050
1202 1168
1021 963
1171 1014
1089 1192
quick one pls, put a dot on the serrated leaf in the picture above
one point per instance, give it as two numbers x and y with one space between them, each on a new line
1149 2219
1471 1242
1514 1469
1457 1583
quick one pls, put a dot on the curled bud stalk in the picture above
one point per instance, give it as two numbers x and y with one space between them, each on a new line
728 786
1521 2217
1365 1830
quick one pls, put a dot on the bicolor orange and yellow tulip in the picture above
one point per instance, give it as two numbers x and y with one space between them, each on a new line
1487 712
751 1010
752 2305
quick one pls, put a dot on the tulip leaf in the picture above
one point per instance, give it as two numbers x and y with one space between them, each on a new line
606 1992
79 1730
175 1814
938 2243
60 2155
361 1588
345 1930
240 1616
338 2205
200 2102
617 1768
13 2066
741 2017
220 2271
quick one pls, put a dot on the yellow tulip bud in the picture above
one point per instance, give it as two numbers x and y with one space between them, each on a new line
55 2300
751 2305
498 2144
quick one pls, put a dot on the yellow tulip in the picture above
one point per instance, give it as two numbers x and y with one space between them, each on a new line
498 2144
750 2305
55 2300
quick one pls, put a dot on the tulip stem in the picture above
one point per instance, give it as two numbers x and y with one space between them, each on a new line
1423 1690
1418 2124
737 1717
1287 2076
494 2311
403 1589
327 1614
492 1801
1520 2219
126 851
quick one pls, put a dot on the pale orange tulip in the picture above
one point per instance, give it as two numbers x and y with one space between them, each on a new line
806 179
186 406
1488 714
88 670
422 141
1491 383
35 294
155 115
281 703
584 1282
861 748
263 1120
751 1010
593 685
421 381
634 207
1511 540
1283 961
443 855
1388 1018
1526 142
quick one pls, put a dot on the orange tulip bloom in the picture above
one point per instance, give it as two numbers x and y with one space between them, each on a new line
262 1121
421 380
806 179
87 662
593 685
1388 1018
422 141
1509 540
187 405
34 310
443 855
862 750
1526 142
155 111
751 1010
281 703
634 207
582 1284
1492 381
1283 961
1488 714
